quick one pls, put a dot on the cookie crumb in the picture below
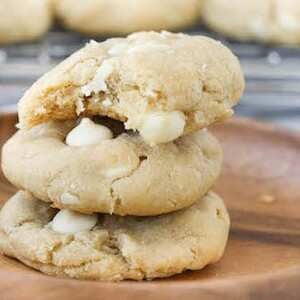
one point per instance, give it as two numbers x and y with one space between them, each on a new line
267 198
93 43
98 84
68 198
40 110
80 108
107 102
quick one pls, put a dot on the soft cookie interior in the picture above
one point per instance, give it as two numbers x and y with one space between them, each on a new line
162 85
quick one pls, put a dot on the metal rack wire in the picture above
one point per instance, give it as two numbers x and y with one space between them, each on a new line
272 73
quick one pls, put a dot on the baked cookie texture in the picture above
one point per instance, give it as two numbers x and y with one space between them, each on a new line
24 20
272 21
116 248
128 78
123 176
119 128
111 17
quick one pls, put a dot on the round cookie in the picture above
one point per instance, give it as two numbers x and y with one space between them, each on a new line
111 17
116 248
272 21
23 20
191 80
123 176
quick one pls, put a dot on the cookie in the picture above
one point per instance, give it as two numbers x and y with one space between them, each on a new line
86 170
151 81
105 247
23 20
111 17
271 21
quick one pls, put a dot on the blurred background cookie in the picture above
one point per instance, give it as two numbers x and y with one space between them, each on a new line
24 20
270 21
120 17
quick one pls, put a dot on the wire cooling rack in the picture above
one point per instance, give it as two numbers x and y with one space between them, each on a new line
272 73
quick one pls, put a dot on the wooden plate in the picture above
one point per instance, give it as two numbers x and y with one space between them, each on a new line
261 187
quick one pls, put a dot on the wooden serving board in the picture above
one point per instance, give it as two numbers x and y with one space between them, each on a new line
261 186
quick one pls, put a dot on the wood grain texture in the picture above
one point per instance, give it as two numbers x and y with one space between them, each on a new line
261 187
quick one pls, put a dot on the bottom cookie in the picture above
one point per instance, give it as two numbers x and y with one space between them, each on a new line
116 248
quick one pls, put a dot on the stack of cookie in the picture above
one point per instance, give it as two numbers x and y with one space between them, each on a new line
114 161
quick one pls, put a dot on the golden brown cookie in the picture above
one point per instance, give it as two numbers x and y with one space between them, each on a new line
111 247
150 81
121 175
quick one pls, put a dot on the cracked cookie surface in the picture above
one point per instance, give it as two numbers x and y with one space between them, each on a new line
98 17
123 175
271 21
18 19
116 248
196 79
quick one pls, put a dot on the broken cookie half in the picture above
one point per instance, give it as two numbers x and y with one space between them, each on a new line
162 85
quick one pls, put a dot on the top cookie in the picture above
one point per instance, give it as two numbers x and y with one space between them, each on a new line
23 20
151 81
273 21
125 16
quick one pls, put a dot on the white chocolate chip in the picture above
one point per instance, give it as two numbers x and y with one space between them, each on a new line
88 133
166 34
93 43
162 127
98 84
70 222
107 103
150 93
68 198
